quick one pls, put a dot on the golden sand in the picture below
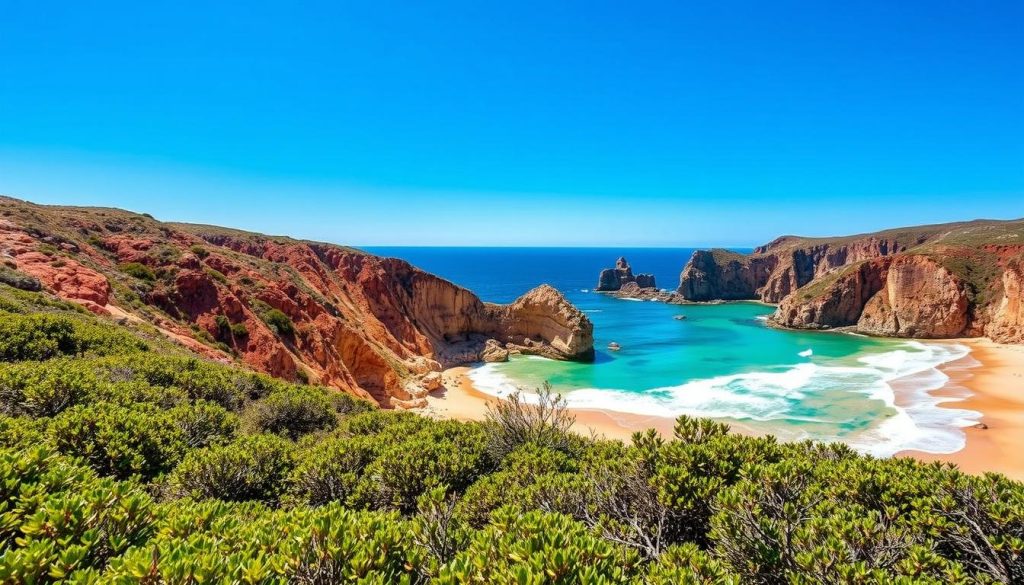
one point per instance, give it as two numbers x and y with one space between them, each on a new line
995 383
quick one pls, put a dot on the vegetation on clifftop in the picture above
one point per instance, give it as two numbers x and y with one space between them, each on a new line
125 460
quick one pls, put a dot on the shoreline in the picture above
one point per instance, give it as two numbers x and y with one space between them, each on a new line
988 380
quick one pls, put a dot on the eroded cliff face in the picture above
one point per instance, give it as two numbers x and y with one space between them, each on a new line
1007 319
719 275
931 282
919 298
376 327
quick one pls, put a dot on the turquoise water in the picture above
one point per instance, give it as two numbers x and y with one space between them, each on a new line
721 361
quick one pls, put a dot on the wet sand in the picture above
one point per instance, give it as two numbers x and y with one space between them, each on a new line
993 375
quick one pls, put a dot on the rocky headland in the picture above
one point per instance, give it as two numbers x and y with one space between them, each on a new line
941 281
375 327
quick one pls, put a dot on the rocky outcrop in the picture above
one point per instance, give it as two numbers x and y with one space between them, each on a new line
375 327
929 282
632 290
613 279
542 322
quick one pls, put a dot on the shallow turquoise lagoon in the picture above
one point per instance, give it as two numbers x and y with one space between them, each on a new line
722 361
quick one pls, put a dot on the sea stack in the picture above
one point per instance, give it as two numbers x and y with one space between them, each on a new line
612 279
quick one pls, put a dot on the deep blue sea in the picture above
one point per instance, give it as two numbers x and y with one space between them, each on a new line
721 361
501 274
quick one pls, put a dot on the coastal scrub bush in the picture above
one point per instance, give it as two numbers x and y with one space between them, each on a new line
239 330
223 326
229 387
199 251
513 422
43 336
216 275
444 453
232 543
252 468
58 518
331 471
138 270
538 547
292 412
278 322
204 423
120 441
44 389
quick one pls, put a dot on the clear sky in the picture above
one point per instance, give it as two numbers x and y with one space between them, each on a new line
519 123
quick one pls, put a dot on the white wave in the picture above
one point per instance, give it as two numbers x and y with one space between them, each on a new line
917 422
806 353
585 290
762 318
593 311
629 299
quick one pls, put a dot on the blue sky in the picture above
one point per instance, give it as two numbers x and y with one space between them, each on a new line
519 123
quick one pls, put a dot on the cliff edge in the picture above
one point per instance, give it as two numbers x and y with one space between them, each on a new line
949 280
371 326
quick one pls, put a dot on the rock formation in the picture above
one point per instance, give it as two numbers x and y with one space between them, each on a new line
632 290
375 327
948 280
612 279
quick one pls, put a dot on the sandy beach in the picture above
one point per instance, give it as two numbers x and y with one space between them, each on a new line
991 377
996 386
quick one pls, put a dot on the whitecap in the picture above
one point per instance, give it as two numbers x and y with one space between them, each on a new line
915 422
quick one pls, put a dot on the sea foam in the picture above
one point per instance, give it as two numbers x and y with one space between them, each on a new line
779 399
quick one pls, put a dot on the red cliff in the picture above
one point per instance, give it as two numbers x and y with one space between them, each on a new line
949 280
372 326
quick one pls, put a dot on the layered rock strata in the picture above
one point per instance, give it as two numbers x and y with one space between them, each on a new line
941 281
375 327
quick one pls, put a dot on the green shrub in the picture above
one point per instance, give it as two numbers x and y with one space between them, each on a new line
138 270
513 422
229 543
41 337
120 441
239 330
216 275
538 548
331 470
389 423
223 326
686 563
21 432
229 387
251 468
58 518
278 322
203 424
44 389
199 251
444 453
293 412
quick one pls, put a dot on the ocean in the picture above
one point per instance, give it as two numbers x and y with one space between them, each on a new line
721 361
